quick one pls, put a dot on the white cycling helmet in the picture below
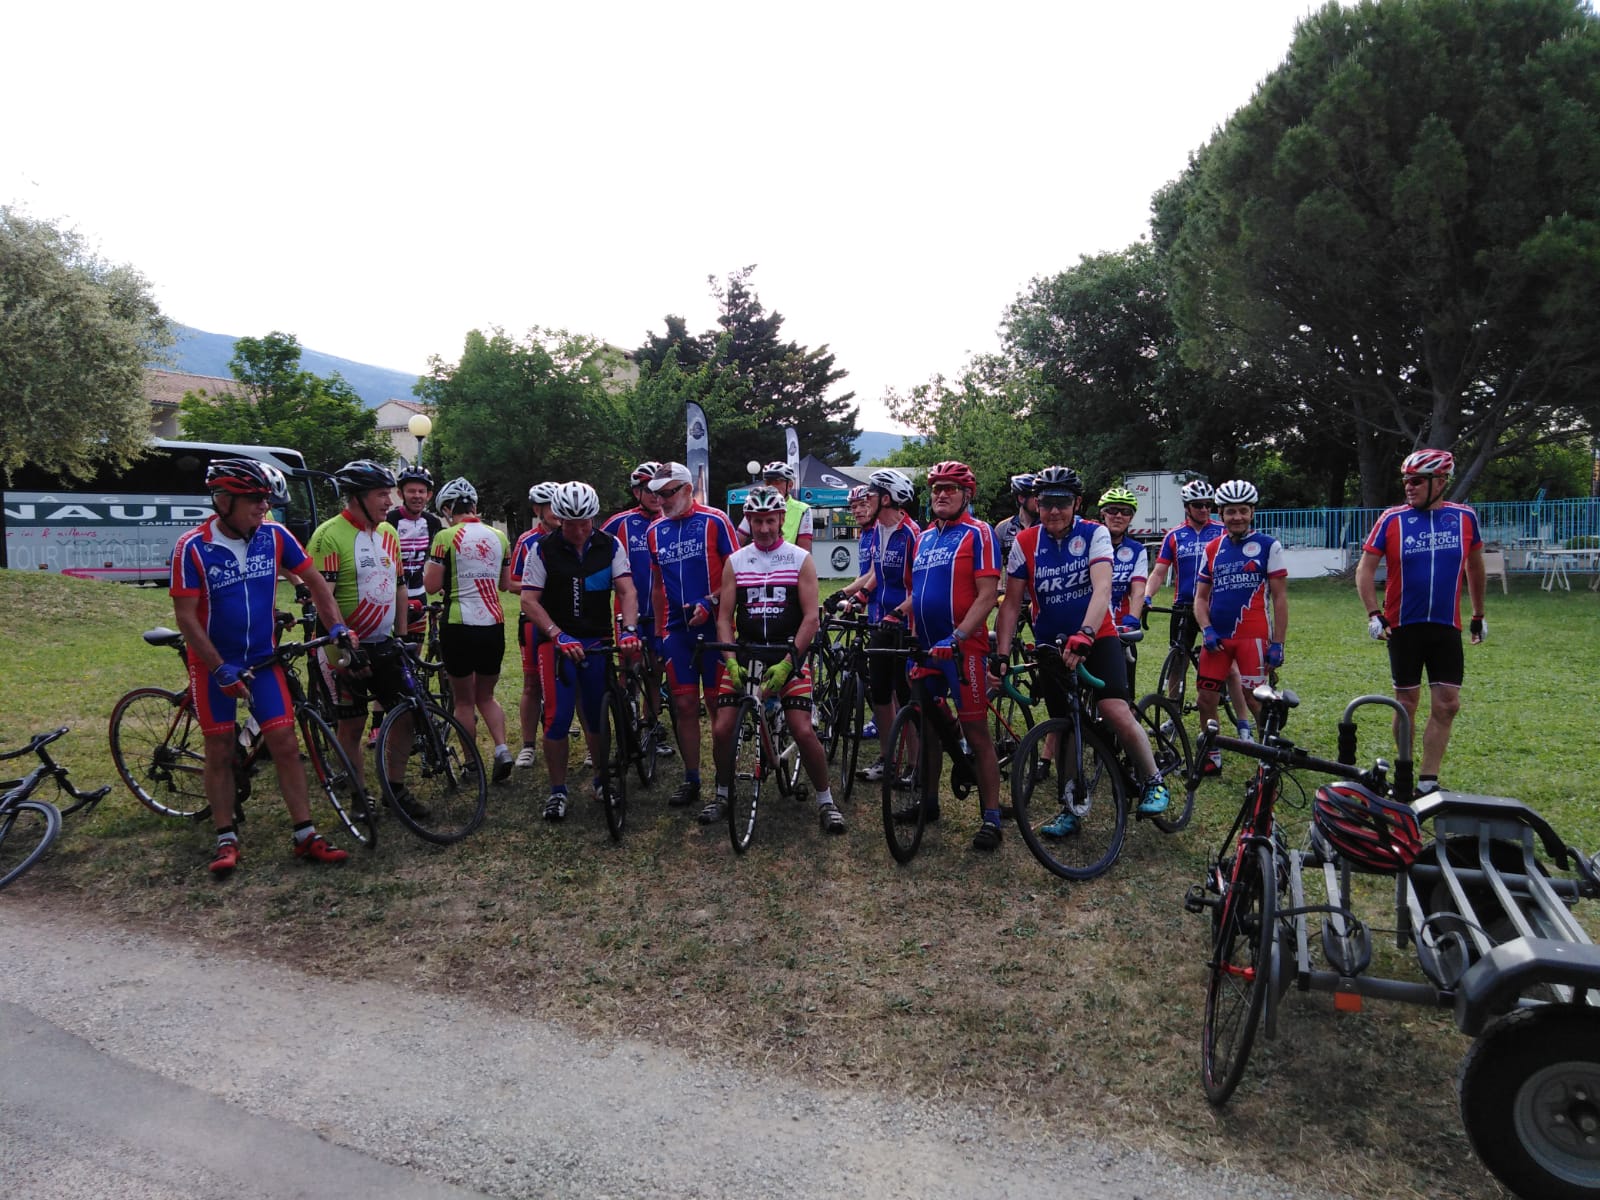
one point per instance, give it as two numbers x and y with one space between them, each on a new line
1238 491
779 470
575 501
1197 489
542 493
454 492
894 485
763 500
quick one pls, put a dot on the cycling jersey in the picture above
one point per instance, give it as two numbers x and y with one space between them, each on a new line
471 554
521 551
687 554
1426 552
363 567
945 569
575 583
1129 562
1056 572
236 583
1238 572
1007 532
1182 550
416 534
767 593
888 553
797 521
631 528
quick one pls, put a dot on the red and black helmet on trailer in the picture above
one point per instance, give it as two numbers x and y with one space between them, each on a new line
1365 829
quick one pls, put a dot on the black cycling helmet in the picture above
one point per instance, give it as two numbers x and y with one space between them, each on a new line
1057 481
246 477
362 475
415 474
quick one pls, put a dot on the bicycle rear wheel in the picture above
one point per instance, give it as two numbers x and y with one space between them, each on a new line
1240 970
846 748
27 828
159 752
1173 682
642 742
749 766
1169 742
616 738
331 774
907 795
446 788
1076 818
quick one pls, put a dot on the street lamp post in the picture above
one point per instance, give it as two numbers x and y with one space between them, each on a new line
420 426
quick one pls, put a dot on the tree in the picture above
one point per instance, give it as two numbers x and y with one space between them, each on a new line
75 335
1405 223
755 382
514 412
278 404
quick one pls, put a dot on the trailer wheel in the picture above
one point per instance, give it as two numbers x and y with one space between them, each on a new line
1530 1101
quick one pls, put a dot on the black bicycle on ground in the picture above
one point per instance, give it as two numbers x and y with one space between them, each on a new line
28 827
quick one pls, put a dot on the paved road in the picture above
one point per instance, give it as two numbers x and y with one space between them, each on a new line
157 1070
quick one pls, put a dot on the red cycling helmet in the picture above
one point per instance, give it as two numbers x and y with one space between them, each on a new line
245 477
1429 462
1365 829
644 473
957 473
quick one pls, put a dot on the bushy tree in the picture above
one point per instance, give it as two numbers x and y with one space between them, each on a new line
75 335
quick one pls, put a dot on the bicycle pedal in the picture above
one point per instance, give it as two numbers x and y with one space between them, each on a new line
1197 900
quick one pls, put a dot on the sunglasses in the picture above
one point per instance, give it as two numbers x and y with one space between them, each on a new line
669 493
1055 501
1200 504
1117 511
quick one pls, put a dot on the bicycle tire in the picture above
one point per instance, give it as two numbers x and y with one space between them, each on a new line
331 773
1239 973
159 751
1096 798
906 794
443 773
28 828
848 741
642 744
749 767
616 739
1009 723
1169 742
826 678
1173 681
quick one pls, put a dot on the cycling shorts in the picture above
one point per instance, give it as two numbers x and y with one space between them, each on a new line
1105 661
971 696
1248 654
1182 629
472 649
528 641
567 684
1426 645
685 676
384 681
796 693
218 712
886 676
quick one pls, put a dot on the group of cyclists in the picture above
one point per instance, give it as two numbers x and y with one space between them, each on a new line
659 580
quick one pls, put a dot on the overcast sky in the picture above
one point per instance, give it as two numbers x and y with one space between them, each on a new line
379 179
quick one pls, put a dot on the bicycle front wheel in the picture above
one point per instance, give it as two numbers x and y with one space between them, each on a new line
159 752
1075 818
1169 742
616 736
1173 682
642 732
26 830
846 748
749 766
446 791
331 774
907 793
1239 973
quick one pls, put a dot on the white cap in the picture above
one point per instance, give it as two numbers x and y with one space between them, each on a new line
671 473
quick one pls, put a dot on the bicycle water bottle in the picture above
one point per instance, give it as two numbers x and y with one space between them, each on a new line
774 708
249 732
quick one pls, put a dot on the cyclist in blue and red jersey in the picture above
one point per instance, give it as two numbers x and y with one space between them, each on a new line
224 583
688 546
1429 544
955 576
531 702
1130 566
1064 566
632 528
1240 571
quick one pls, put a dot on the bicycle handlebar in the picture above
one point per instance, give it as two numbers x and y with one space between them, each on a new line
1285 755
37 742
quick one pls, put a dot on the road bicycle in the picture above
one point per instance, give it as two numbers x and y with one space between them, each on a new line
1183 661
430 657
838 655
1075 819
629 737
159 751
444 790
763 747
29 827
924 731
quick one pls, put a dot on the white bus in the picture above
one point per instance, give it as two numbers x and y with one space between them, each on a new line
122 525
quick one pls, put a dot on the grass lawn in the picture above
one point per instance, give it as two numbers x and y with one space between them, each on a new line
1069 1007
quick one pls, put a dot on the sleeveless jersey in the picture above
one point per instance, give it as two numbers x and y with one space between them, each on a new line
416 534
767 593
632 528
472 554
1182 550
1426 553
1056 571
575 585
888 552
1129 561
945 569
687 554
363 567
1238 574
236 597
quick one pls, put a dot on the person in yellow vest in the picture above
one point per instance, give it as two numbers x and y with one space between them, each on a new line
797 528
